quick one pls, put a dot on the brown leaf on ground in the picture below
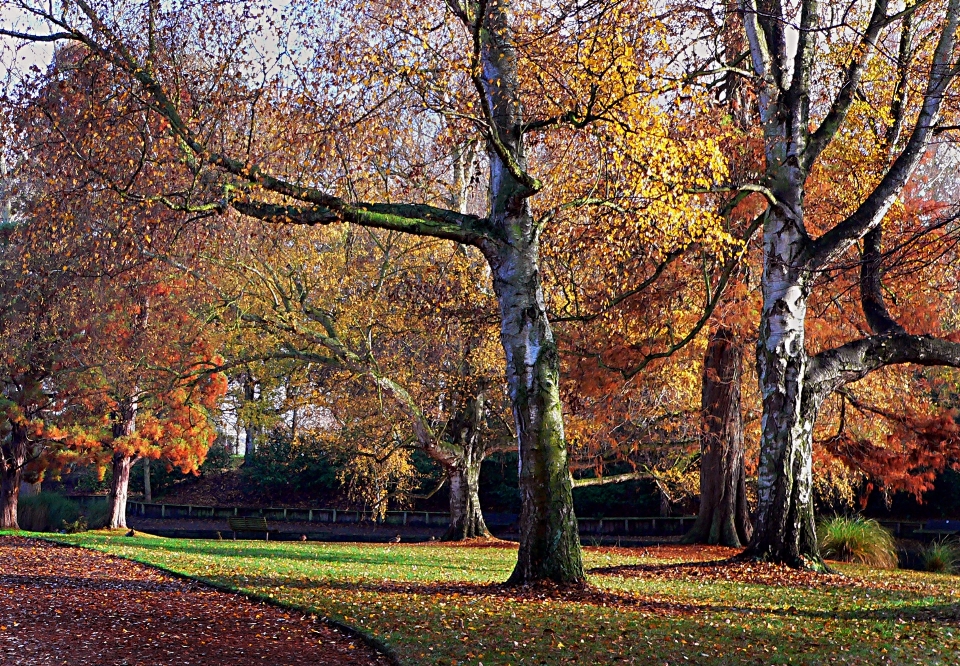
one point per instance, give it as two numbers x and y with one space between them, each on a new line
63 605
717 564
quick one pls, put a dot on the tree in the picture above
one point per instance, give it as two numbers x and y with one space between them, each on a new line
724 517
478 64
793 383
409 358
143 358
39 323
130 379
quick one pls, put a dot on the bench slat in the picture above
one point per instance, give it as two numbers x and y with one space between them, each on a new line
248 524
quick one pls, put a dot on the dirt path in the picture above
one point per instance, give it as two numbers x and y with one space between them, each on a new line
62 605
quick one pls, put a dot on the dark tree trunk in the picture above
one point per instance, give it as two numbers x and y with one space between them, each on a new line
147 489
250 431
14 453
724 517
9 497
666 509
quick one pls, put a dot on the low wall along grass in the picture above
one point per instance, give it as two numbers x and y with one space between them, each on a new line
438 605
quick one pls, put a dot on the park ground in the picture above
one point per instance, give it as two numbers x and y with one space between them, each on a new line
435 604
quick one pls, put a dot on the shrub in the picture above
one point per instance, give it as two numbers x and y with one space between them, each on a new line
79 525
50 512
942 556
46 512
857 540
218 460
280 465
97 514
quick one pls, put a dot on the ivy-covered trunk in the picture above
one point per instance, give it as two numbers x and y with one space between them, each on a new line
724 516
784 530
14 452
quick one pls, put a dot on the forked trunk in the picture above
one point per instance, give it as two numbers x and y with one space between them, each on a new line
118 490
466 518
724 516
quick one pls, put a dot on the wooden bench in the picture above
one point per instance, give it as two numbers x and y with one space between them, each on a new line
254 524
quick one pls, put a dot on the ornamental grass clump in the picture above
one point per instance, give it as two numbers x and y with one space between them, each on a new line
857 540
942 556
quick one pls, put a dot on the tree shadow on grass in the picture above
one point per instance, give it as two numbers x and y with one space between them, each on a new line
916 611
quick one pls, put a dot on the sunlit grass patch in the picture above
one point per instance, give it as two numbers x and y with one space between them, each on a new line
437 604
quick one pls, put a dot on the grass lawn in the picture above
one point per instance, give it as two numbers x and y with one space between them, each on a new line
437 604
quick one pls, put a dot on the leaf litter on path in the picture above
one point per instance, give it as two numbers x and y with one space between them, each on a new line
65 605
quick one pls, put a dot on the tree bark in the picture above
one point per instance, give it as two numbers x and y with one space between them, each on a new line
118 490
549 539
784 530
147 489
462 459
14 456
125 424
9 499
724 516
466 518
792 385
250 431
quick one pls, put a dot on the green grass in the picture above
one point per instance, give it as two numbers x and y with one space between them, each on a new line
432 606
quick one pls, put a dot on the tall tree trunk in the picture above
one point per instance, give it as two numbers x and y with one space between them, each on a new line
724 517
666 509
147 489
14 456
125 424
9 499
250 431
784 530
549 540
